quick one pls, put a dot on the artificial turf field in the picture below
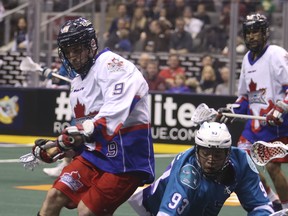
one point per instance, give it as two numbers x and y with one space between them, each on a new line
22 191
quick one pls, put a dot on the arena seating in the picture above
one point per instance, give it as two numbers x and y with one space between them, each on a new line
11 75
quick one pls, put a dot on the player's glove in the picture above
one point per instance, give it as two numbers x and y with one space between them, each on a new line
275 116
45 151
228 109
74 136
222 118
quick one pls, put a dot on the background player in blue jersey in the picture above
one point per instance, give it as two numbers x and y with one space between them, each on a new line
263 91
199 180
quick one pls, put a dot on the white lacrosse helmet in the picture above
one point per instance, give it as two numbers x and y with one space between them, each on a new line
213 134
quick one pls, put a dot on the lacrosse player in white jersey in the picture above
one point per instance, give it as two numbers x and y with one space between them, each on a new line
112 137
263 91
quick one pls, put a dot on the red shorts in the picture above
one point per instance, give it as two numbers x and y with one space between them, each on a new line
100 191
244 144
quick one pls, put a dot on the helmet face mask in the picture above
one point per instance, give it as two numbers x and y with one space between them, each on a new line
212 160
213 144
255 32
77 45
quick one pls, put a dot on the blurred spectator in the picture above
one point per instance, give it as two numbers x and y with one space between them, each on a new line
208 80
124 43
173 68
139 24
180 40
179 85
240 47
4 6
155 82
223 88
164 22
155 8
21 41
60 5
209 4
214 39
155 40
192 25
2 11
208 60
10 4
132 4
175 10
121 14
201 42
142 63
268 7
225 13
193 84
119 41
202 14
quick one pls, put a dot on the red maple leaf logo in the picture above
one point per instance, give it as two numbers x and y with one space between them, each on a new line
75 175
79 110
252 86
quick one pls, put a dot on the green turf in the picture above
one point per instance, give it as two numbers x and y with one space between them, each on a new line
15 202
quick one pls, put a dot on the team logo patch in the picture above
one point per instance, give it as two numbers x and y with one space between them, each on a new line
256 96
251 164
115 65
65 29
227 190
190 176
72 180
9 109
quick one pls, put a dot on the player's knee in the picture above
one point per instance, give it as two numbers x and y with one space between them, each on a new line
56 198
83 210
53 194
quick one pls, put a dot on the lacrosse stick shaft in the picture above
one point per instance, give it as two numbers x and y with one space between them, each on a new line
244 116
61 77
280 213
27 64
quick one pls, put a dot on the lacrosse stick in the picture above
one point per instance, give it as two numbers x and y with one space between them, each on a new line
27 64
29 161
283 212
203 113
263 152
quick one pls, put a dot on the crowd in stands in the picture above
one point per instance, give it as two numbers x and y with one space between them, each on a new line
180 27
174 27
171 78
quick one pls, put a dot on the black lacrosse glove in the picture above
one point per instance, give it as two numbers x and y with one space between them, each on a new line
222 118
41 151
